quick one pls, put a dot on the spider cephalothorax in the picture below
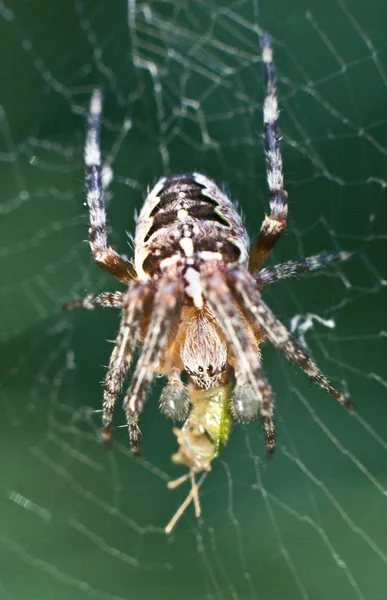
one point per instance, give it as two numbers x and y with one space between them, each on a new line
193 300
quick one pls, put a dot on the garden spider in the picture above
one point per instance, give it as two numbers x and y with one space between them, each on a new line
193 300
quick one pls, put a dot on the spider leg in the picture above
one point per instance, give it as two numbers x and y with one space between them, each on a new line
253 392
103 254
122 353
252 303
166 312
93 300
275 223
293 267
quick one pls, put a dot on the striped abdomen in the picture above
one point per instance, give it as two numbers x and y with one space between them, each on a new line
186 217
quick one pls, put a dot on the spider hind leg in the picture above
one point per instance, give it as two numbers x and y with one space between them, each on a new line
274 223
104 255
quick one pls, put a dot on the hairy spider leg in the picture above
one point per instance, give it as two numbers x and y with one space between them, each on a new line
274 223
104 255
248 295
294 267
121 356
165 315
115 299
247 364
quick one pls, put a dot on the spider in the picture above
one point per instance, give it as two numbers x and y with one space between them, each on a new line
193 300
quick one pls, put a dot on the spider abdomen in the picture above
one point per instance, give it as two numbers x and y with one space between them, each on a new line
187 219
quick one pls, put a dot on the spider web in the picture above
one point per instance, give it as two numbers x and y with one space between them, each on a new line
183 91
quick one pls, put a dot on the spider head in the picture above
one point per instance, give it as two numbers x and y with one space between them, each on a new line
206 376
204 352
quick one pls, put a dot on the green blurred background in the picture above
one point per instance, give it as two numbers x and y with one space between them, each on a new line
183 91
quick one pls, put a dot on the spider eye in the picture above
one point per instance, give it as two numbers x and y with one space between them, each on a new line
210 369
200 369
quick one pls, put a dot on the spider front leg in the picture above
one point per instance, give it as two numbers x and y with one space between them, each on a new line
274 223
121 356
104 255
252 393
165 316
